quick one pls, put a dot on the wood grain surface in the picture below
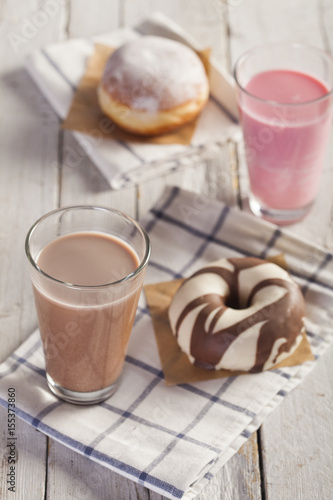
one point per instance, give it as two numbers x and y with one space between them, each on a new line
291 456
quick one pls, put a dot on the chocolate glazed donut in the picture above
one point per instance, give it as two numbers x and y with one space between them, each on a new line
240 314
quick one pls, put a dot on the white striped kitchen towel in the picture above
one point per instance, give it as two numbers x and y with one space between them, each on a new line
147 427
57 70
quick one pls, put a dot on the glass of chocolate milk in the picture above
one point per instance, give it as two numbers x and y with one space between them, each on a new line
87 266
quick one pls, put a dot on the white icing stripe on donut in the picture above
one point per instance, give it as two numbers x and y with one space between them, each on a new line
265 296
249 278
183 339
225 264
211 317
274 352
196 287
241 354
274 359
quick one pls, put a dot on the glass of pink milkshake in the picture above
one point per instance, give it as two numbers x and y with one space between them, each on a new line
284 95
87 266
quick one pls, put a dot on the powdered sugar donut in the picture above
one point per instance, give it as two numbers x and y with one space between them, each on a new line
152 85
239 314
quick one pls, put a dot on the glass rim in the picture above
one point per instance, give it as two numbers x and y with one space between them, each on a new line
300 45
143 262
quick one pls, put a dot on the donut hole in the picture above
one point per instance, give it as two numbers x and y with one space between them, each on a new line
232 301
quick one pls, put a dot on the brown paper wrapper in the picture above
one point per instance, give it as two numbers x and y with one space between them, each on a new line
86 116
176 366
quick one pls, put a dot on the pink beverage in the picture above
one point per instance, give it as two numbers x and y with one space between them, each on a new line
285 147
87 266
284 94
85 345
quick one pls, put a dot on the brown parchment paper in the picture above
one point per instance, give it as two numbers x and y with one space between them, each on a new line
86 116
176 366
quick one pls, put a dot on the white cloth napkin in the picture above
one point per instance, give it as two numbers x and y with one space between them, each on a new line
58 69
174 439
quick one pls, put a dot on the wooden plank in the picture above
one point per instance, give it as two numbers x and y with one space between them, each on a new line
93 18
239 478
28 188
326 202
255 22
298 440
297 437
82 183
29 453
29 146
203 20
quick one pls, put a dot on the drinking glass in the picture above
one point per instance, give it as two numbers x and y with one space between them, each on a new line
85 328
285 136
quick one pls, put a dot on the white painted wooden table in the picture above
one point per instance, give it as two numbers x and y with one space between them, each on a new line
291 456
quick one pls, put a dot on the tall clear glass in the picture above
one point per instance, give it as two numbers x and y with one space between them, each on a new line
85 325
284 95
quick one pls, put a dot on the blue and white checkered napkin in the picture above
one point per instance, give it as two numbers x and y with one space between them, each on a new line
173 439
57 70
